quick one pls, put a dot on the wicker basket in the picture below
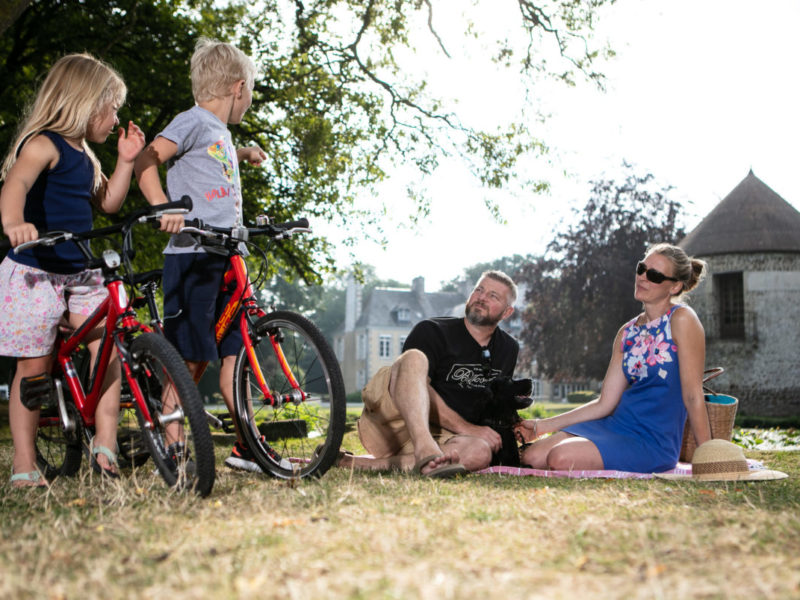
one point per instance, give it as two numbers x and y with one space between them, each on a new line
721 413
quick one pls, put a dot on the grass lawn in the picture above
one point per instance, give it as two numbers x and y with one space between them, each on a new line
385 535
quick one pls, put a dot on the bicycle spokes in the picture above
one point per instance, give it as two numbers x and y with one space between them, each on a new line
304 410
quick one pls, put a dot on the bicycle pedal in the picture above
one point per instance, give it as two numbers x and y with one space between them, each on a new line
227 423
36 391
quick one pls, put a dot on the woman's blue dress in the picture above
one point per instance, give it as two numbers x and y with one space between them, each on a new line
645 431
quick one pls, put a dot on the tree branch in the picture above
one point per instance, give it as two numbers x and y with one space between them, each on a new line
433 31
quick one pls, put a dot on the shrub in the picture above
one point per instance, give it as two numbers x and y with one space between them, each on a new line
581 397
753 421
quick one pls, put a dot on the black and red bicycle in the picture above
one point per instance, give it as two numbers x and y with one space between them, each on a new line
161 414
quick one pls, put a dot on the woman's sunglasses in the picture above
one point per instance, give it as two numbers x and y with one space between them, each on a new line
651 274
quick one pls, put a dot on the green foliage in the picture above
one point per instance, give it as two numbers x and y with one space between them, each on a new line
581 397
535 411
333 105
354 397
773 438
510 265
581 291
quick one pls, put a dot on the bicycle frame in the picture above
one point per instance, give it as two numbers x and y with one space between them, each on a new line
242 303
119 320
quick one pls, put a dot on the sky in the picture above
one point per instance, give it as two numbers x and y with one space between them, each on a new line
699 93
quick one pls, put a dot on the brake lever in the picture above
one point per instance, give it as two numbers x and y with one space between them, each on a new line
289 232
46 241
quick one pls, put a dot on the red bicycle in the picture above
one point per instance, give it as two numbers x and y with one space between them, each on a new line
289 399
158 391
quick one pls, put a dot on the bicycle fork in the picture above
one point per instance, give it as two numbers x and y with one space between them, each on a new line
296 395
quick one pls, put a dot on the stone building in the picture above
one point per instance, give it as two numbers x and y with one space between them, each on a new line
749 302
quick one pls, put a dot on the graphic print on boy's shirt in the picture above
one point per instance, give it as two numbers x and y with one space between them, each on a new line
219 152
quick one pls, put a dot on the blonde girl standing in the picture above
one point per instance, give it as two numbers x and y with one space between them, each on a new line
51 180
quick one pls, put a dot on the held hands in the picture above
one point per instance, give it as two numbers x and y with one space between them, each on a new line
130 142
252 154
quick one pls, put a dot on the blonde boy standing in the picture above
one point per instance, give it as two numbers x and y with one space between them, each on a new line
203 164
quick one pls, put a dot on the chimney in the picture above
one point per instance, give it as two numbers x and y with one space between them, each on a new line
352 304
418 286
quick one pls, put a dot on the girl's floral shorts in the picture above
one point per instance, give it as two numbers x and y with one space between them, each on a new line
32 302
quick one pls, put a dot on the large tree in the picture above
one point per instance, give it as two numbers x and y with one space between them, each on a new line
334 106
513 266
581 291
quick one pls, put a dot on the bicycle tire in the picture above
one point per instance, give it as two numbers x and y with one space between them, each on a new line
156 366
58 453
132 450
292 440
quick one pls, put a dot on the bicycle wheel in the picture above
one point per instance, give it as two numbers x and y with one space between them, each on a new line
59 452
133 450
179 441
295 437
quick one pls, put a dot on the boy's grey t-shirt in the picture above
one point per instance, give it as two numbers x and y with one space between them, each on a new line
206 169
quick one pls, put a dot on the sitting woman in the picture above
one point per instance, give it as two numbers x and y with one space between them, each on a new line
654 379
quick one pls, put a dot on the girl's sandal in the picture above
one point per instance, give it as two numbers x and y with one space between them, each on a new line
31 479
112 460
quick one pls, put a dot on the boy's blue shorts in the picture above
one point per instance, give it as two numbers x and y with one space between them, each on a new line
193 300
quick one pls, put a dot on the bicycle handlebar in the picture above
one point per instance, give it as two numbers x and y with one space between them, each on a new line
143 215
241 234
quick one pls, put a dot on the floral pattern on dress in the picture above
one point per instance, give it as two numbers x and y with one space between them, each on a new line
648 345
32 302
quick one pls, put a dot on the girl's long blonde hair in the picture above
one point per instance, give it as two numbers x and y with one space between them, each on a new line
77 89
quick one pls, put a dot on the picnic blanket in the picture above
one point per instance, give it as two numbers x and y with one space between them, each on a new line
681 468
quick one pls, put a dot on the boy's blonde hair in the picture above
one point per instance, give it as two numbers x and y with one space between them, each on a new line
216 66
77 89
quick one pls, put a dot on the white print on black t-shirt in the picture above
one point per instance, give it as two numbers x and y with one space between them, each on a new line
470 376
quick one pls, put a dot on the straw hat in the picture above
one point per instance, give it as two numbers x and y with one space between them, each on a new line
720 460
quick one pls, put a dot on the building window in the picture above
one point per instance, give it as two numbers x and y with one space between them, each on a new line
403 315
402 342
361 346
339 349
730 296
385 346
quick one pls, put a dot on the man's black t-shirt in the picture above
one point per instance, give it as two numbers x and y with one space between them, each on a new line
457 367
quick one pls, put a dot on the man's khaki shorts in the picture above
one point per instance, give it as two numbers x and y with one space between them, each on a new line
382 430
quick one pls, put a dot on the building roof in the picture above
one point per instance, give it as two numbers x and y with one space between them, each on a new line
386 305
752 218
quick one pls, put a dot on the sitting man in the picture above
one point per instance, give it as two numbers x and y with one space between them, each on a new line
419 413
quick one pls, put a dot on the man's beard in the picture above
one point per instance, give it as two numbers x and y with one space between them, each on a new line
482 320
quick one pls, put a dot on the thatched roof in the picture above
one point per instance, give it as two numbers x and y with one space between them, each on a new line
752 218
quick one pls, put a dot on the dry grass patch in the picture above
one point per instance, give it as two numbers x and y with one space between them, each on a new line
371 535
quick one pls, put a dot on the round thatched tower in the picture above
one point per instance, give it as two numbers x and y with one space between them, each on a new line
749 302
